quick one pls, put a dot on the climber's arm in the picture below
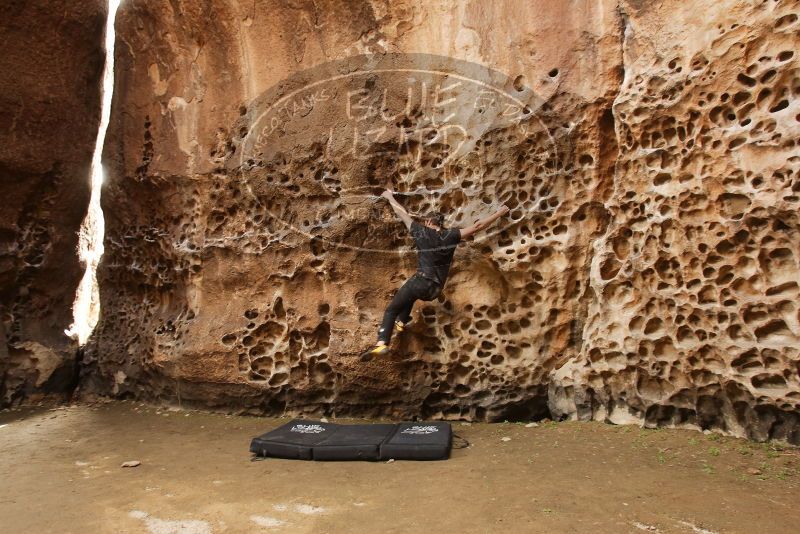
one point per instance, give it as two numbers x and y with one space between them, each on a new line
483 223
398 209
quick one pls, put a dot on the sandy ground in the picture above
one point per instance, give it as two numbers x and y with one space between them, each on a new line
60 472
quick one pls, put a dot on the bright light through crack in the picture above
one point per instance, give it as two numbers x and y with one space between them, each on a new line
86 307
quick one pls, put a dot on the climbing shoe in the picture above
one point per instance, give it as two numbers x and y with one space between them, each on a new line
379 349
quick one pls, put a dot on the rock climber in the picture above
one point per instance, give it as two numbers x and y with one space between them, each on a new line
435 245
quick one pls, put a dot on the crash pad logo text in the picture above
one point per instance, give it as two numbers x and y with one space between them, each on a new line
308 429
420 430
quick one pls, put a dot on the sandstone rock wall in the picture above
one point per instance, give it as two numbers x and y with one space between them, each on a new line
50 72
246 279
694 285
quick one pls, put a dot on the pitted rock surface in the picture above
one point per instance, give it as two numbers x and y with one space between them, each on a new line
648 268
694 316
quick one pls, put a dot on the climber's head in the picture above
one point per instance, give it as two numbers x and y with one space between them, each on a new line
434 220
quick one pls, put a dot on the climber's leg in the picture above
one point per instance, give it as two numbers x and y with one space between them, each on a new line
399 307
404 317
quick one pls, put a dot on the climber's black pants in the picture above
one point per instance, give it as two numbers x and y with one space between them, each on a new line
415 288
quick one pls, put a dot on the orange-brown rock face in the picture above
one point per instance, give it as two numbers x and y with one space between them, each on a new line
50 72
248 258
693 316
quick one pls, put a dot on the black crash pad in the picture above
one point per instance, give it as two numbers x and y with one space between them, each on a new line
418 441
294 440
314 440
353 442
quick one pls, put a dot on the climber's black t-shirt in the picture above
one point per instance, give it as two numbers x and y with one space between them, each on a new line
436 250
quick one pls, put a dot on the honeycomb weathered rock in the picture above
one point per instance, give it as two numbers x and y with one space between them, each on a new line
694 315
649 268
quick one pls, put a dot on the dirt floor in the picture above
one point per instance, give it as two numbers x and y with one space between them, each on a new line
61 472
